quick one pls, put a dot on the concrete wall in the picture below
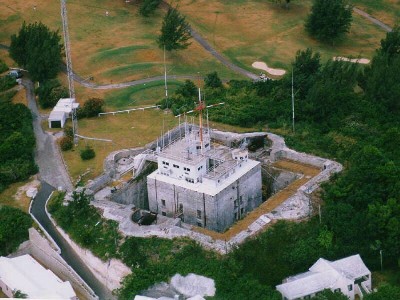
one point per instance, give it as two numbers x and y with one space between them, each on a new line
215 212
110 273
133 193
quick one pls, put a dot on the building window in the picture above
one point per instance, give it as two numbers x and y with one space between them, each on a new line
186 169
198 214
199 224
242 211
350 287
235 216
337 290
189 180
241 200
176 166
235 204
164 213
198 147
181 208
163 202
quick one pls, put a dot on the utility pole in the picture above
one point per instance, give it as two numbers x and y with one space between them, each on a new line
165 79
70 74
292 102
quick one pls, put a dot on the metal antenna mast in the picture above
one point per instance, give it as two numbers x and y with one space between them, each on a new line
69 68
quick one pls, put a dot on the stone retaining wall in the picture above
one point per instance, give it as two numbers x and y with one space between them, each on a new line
41 249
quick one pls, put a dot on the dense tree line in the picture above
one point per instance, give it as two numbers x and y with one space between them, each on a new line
343 111
17 142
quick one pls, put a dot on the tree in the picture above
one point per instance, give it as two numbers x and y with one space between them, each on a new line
148 7
91 108
212 80
305 68
38 50
386 292
329 295
175 31
14 225
390 46
19 294
329 20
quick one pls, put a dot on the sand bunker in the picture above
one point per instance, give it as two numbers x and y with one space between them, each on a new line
263 66
353 60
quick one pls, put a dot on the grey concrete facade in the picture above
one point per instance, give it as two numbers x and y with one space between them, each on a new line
215 212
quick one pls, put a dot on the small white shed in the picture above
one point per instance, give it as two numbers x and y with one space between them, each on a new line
57 119
61 112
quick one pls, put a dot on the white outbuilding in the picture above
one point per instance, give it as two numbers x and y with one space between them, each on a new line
26 275
61 112
348 275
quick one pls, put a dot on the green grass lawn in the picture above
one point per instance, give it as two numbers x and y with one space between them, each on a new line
146 94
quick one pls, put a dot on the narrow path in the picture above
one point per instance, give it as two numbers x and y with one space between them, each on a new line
47 156
69 255
372 19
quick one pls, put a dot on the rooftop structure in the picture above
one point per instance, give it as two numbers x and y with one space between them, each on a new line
204 184
25 274
349 276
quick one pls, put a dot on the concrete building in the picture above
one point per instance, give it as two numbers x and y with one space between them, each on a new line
204 184
349 276
25 274
61 112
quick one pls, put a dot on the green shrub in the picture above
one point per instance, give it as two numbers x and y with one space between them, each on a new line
91 108
6 82
3 66
66 143
87 153
49 92
14 225
69 132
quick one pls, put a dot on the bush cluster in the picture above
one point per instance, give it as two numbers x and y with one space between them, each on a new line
87 153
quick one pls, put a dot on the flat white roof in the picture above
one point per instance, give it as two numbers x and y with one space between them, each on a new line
57 115
207 187
25 274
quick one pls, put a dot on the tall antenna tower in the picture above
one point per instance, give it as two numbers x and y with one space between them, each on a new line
70 75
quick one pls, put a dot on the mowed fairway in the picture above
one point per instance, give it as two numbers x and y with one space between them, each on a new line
248 31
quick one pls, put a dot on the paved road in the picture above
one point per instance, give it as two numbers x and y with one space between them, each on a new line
52 170
372 19
67 252
47 155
